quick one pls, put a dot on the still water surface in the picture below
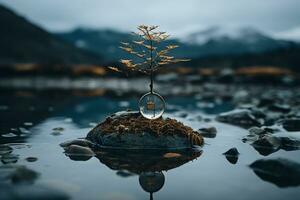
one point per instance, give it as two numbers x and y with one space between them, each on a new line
47 119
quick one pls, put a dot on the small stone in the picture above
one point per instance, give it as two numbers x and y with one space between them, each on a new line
9 158
265 101
232 152
267 145
289 144
31 159
243 118
257 131
58 129
5 149
209 132
24 130
232 155
250 138
291 124
280 108
79 153
28 123
56 133
79 150
124 173
207 120
9 135
79 142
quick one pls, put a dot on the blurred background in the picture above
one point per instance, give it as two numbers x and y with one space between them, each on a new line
55 86
233 41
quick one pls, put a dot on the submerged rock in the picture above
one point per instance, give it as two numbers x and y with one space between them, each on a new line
281 172
130 130
243 118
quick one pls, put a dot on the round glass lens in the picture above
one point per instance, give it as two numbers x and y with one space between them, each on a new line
152 105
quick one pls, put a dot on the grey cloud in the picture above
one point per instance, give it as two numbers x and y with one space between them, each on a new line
176 16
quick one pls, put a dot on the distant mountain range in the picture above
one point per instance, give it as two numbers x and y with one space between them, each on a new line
23 42
211 42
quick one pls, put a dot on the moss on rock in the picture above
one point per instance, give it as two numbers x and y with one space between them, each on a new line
131 130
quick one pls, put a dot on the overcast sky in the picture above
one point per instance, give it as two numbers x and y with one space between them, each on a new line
280 18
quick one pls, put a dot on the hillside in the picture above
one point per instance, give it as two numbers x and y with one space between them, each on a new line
24 42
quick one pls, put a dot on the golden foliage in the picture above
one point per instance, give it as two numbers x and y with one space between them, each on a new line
148 51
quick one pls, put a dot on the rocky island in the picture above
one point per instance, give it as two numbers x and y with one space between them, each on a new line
131 131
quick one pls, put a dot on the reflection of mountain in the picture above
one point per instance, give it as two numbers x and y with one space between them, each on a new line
22 41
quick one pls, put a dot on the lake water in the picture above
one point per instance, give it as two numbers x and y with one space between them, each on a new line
34 123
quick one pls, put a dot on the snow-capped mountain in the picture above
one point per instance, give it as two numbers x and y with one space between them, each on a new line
209 42
216 33
234 40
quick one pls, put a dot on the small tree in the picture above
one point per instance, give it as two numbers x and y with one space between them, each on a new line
149 52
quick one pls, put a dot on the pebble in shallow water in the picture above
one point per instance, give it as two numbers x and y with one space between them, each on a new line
266 145
9 135
242 118
31 159
28 123
79 153
232 155
209 132
58 129
5 149
9 158
80 142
